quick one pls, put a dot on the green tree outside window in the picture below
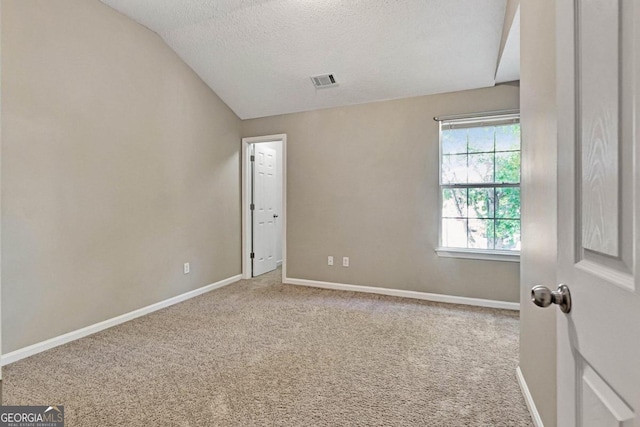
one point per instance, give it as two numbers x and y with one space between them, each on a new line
480 184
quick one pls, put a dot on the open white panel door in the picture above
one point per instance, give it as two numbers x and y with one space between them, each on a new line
264 209
599 212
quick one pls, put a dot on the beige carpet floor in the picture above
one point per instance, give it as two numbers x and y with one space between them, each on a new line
260 353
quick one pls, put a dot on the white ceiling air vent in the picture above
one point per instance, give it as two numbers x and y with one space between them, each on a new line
325 80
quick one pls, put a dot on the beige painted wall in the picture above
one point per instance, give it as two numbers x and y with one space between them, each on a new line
118 165
539 200
363 183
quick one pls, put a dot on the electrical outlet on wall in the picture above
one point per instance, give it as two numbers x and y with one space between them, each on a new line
345 261
187 268
330 260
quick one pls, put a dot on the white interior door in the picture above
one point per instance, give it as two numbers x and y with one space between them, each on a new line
264 209
599 212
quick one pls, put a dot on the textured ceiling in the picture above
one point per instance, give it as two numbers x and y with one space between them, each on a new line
258 55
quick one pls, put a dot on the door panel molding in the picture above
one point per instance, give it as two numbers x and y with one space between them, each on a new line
607 407
264 210
598 106
246 200
598 342
611 275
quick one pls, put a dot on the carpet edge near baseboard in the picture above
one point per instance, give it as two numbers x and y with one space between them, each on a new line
450 299
50 343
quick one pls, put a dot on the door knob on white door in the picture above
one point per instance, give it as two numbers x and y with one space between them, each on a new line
544 297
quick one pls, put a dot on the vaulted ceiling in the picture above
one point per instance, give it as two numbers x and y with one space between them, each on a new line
258 55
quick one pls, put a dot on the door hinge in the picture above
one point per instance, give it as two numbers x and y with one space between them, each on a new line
253 255
252 207
253 158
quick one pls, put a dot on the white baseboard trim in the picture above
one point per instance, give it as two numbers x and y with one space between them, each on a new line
25 352
406 294
535 415
278 263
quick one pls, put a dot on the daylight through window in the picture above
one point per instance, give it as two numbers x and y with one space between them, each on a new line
480 183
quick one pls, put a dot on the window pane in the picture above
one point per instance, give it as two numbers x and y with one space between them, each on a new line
508 167
454 141
508 234
481 233
454 203
508 137
454 233
508 203
474 216
480 168
481 139
481 202
454 169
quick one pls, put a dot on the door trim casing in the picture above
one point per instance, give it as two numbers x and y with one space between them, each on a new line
246 200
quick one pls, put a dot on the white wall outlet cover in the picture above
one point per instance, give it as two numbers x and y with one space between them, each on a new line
330 260
345 261
187 268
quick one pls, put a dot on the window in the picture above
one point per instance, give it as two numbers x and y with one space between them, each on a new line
480 185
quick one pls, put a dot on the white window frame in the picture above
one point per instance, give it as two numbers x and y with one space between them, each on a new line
470 253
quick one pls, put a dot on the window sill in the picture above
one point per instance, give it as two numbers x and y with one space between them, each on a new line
507 256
